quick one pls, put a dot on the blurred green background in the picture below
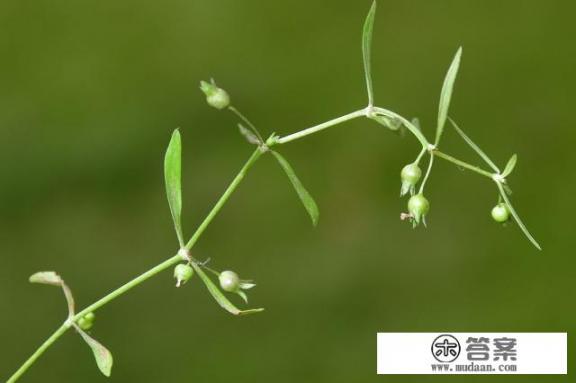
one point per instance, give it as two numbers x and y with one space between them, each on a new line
91 90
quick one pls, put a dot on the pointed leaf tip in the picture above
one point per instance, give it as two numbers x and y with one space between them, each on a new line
103 356
446 94
173 181
517 217
305 197
476 148
510 166
367 50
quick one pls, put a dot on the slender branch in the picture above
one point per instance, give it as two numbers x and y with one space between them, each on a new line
30 361
233 185
462 163
428 171
246 121
142 277
222 201
409 125
319 127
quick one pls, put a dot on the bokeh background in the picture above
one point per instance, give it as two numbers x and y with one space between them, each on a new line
91 90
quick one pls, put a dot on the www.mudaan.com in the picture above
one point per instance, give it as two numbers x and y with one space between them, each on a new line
473 367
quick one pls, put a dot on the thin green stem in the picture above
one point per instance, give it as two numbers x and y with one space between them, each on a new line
463 164
319 127
367 112
142 277
47 343
420 156
233 185
409 125
428 170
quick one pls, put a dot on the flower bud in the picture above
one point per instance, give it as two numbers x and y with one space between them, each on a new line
229 281
418 207
501 213
410 175
216 97
87 321
183 272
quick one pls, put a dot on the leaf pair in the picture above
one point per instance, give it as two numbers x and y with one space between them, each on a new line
172 176
103 357
502 187
447 87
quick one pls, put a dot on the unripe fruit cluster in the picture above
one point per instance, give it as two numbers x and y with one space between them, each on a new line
87 321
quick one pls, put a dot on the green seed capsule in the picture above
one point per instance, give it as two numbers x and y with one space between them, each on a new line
410 175
501 213
418 207
87 321
229 281
216 97
183 272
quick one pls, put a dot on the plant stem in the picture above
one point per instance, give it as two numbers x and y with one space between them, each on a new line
317 128
428 171
414 130
30 361
233 185
142 277
463 164
222 201
246 121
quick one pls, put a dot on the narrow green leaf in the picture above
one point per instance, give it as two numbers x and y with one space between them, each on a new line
446 95
510 166
219 296
46 277
305 197
475 147
172 177
416 122
103 357
517 217
367 50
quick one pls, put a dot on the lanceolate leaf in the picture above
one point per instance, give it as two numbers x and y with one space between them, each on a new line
517 217
446 95
475 147
172 177
305 197
219 296
510 165
103 357
366 50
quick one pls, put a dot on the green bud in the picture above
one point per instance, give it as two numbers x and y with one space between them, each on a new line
216 97
418 207
87 321
183 272
501 213
229 281
410 175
